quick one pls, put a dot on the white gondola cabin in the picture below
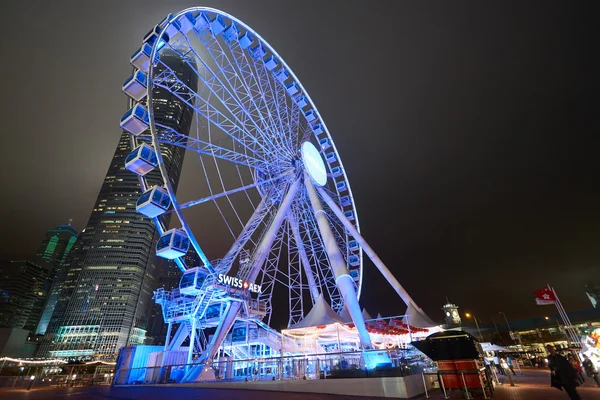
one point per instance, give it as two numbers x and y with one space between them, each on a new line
246 40
173 244
271 63
341 186
301 101
349 215
202 22
310 115
292 88
331 157
257 52
191 281
186 22
336 171
141 160
136 120
152 36
282 75
231 33
217 25
345 200
325 143
318 129
354 260
355 274
153 202
353 245
141 58
136 86
173 29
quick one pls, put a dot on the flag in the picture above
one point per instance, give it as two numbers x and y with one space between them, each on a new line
545 296
593 299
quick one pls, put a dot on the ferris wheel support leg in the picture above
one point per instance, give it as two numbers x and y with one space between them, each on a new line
343 280
310 277
260 255
369 251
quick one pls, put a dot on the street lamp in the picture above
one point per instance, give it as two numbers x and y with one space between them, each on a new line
476 324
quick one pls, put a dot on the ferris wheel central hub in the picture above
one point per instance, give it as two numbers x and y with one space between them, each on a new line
313 163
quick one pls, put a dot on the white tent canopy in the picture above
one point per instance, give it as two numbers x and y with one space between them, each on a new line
417 317
492 347
321 314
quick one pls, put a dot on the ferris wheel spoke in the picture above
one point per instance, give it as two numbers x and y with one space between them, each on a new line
226 97
237 89
168 135
259 87
168 80
232 191
259 214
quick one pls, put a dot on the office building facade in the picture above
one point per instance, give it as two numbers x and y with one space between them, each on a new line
106 300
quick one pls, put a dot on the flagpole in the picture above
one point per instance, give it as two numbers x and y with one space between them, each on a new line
565 317
562 315
566 320
569 325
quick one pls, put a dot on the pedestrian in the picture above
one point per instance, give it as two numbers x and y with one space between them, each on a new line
574 360
497 364
563 375
590 369
509 361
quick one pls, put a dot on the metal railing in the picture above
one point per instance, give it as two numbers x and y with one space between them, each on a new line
317 366
484 381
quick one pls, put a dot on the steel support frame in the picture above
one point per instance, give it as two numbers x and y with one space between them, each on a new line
338 264
258 259
368 250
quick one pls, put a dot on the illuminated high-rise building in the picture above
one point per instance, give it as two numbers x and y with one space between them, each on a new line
54 252
106 299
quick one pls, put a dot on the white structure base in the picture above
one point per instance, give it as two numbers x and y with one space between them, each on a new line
398 387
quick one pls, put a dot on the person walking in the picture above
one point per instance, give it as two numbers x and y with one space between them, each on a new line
574 360
497 364
510 363
563 374
590 369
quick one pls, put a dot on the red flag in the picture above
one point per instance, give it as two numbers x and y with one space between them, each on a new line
545 296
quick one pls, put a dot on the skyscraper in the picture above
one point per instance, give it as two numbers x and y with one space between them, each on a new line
57 244
23 289
54 251
105 302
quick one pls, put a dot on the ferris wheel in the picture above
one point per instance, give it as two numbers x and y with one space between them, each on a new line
268 178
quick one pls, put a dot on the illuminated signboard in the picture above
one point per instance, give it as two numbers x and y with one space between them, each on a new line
238 283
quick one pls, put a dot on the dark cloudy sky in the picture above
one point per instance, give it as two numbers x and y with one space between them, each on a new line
470 131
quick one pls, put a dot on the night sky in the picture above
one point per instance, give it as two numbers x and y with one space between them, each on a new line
469 131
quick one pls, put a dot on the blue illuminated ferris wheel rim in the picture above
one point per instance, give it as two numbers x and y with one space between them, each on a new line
162 167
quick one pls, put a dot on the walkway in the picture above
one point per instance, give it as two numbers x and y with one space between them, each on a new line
534 384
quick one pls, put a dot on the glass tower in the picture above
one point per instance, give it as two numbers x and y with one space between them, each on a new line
106 299
54 251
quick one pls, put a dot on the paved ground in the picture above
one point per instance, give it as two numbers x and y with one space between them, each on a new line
534 384
158 393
